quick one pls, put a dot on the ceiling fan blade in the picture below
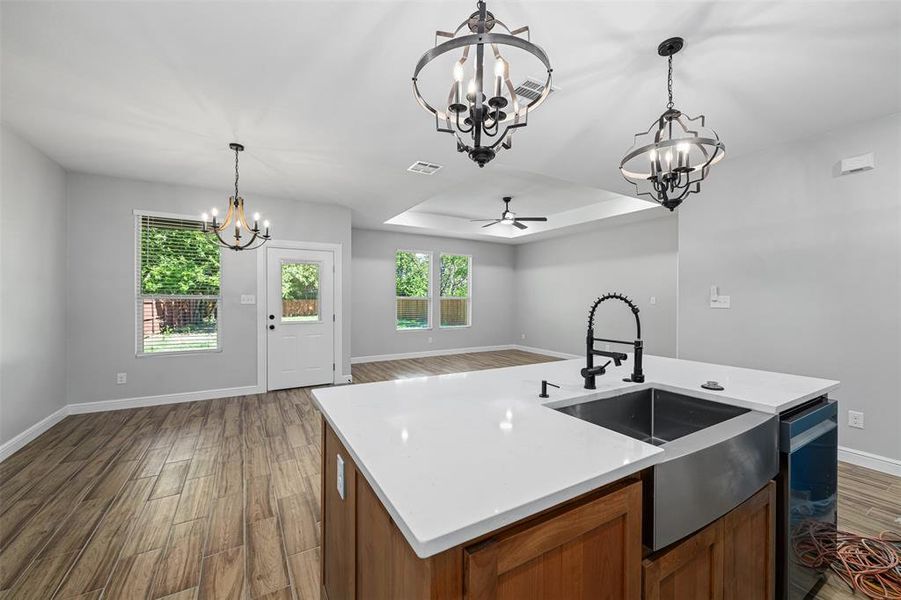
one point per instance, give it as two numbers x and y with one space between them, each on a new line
519 225
539 219
495 222
481 220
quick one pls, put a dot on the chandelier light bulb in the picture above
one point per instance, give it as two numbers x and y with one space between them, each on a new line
458 72
471 90
499 68
215 212
205 217
266 224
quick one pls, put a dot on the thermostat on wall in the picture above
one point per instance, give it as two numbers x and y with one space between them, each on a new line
856 164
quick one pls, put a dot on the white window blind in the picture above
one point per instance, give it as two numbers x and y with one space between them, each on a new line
178 299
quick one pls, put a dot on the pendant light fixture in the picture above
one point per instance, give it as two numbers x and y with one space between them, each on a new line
671 159
235 221
481 124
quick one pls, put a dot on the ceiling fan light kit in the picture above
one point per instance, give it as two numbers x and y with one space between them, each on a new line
509 218
481 124
670 160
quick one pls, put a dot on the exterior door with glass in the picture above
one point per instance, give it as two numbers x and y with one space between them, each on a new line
300 318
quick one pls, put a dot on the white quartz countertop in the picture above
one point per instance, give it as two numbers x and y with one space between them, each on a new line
453 457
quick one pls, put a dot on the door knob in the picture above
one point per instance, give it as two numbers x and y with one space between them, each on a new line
271 317
272 327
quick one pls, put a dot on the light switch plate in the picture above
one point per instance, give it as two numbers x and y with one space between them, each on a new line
721 302
340 477
248 299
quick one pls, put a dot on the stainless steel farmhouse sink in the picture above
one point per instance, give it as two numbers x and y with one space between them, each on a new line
715 455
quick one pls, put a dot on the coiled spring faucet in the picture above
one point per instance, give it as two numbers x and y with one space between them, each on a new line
590 371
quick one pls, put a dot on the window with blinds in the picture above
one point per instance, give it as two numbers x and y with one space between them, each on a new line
413 289
177 286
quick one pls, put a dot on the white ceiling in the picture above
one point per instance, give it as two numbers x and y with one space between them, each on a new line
319 92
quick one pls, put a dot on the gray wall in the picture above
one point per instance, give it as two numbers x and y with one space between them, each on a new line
811 261
557 280
101 274
32 286
373 306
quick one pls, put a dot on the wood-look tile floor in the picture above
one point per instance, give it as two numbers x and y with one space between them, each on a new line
219 499
216 499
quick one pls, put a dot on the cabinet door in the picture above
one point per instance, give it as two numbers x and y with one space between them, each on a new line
749 548
590 551
690 570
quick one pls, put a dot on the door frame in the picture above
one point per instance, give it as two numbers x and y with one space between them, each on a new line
338 375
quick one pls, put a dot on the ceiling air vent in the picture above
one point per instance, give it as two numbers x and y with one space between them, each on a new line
530 89
423 168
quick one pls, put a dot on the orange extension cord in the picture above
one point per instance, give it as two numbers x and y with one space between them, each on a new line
869 565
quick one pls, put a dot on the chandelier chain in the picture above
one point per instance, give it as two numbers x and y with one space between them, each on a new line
236 175
669 82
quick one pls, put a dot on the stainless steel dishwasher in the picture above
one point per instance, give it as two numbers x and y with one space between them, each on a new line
807 489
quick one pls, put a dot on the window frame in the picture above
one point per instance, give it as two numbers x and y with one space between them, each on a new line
319 317
429 298
139 297
468 296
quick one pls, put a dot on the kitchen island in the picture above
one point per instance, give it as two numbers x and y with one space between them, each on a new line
470 485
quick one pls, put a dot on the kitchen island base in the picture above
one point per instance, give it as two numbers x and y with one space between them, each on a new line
589 547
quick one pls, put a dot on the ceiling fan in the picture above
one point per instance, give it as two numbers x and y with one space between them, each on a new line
508 217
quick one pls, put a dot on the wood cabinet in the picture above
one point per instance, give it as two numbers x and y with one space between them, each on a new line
589 551
731 559
589 547
749 546
689 570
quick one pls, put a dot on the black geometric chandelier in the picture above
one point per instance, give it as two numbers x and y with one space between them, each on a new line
481 124
235 220
669 160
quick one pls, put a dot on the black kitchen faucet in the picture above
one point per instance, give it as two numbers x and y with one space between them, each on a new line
590 371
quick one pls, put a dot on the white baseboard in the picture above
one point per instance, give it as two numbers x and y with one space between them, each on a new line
123 403
383 357
21 440
447 351
868 460
553 353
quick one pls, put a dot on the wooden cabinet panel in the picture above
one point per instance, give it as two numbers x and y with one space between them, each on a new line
749 548
387 568
338 520
590 551
690 570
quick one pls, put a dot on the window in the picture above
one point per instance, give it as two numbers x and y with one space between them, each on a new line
177 287
456 284
413 289
300 292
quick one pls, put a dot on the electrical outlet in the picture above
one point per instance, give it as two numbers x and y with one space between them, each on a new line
523 336
855 419
121 378
430 340
653 300
340 476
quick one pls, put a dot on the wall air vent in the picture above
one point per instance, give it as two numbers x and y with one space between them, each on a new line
531 88
423 168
